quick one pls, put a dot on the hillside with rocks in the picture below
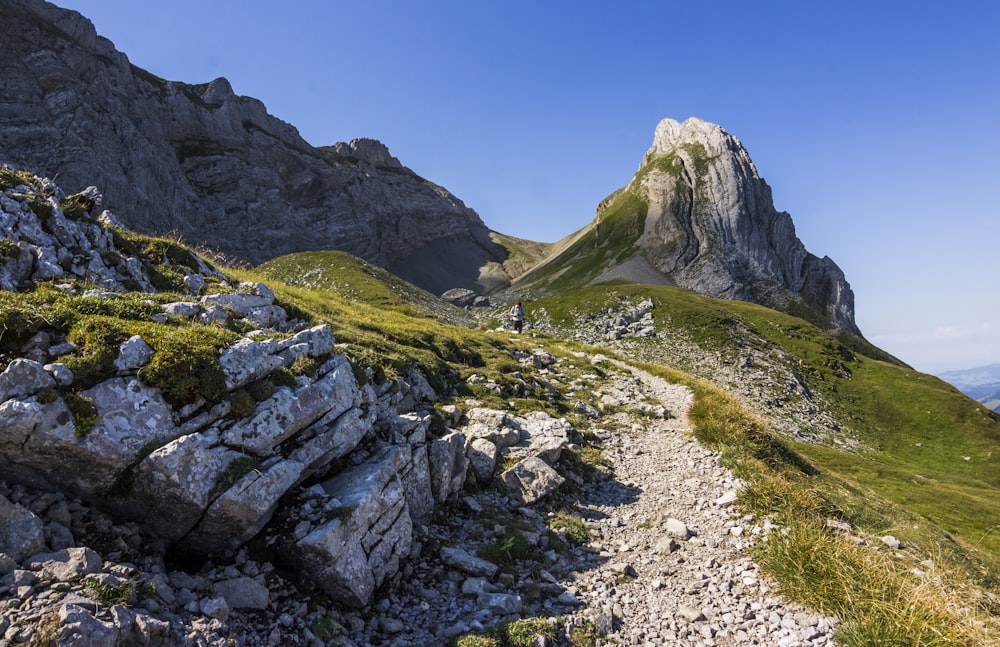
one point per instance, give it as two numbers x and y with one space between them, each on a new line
215 168
302 496
311 503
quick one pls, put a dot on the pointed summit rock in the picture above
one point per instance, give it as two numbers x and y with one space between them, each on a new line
711 226
698 216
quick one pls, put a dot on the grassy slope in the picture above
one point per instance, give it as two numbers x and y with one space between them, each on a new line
522 255
621 224
924 445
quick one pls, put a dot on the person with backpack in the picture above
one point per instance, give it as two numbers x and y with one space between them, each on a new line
517 316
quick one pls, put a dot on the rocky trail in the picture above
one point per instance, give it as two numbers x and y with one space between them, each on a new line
675 566
666 564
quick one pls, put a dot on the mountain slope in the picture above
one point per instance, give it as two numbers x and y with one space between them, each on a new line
908 436
697 215
218 423
213 167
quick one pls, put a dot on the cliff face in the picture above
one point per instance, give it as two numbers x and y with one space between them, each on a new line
711 227
215 167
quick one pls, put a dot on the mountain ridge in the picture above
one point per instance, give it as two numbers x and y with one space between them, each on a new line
981 383
216 168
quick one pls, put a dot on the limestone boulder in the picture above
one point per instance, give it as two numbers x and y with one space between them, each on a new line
21 532
531 480
359 536
448 465
22 378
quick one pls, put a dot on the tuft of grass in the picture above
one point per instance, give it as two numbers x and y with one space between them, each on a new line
506 550
569 527
878 600
128 593
242 405
237 469
84 412
11 178
517 633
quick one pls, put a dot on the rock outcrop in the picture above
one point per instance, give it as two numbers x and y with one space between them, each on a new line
698 216
711 226
214 167
330 468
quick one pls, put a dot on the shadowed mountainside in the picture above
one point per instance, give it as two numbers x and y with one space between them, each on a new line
213 167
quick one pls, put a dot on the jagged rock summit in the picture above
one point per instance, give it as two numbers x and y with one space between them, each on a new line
698 216
712 226
215 167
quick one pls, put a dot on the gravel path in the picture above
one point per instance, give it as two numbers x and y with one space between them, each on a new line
672 566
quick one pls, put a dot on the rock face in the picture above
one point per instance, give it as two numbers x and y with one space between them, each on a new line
711 226
215 167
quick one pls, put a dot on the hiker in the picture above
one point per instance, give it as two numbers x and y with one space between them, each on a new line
517 316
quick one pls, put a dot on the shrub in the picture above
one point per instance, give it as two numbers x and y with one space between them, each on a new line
186 366
282 376
571 528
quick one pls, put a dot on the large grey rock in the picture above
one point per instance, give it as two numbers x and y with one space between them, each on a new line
23 377
183 478
448 465
134 353
464 561
544 435
243 593
366 533
167 156
78 626
289 411
531 480
21 532
461 297
66 564
482 458
42 441
242 509
498 427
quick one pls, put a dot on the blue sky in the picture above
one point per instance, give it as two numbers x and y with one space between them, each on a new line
875 123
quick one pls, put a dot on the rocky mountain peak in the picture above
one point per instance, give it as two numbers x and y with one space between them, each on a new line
218 91
670 134
711 227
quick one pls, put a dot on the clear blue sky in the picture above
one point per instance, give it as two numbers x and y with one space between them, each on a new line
875 123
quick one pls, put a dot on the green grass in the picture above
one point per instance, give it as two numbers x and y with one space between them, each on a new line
915 431
621 224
